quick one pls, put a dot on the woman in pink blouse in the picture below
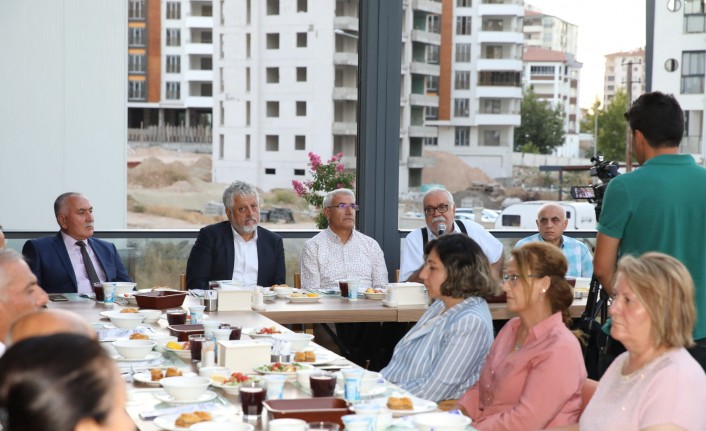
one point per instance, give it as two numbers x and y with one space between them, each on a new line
535 371
655 385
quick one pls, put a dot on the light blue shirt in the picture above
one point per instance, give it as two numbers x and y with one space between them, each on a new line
576 252
442 355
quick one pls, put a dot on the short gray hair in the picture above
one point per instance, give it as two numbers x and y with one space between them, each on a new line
330 195
240 188
7 256
60 202
439 189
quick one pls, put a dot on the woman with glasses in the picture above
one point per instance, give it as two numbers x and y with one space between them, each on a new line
535 372
441 356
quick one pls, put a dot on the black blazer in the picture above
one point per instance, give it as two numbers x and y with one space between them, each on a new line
50 263
213 257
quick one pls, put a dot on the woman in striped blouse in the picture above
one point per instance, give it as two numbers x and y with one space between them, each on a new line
443 353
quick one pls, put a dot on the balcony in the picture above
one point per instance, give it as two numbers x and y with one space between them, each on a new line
420 162
426 37
345 59
501 37
425 69
198 48
427 6
497 119
423 132
198 102
345 23
345 128
511 8
199 75
499 92
199 22
423 100
500 64
345 93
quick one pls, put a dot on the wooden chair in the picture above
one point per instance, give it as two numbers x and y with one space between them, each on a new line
297 280
182 282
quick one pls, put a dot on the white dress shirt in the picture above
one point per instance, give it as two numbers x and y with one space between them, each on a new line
84 284
245 259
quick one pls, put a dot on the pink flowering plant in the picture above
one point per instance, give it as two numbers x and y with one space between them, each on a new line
327 177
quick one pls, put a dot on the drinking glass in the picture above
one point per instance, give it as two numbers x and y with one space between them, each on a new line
322 426
322 384
196 344
252 394
98 290
176 317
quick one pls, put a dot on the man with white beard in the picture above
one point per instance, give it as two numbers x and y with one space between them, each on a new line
439 213
237 249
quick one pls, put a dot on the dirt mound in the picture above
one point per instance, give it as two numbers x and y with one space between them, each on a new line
452 172
154 173
202 168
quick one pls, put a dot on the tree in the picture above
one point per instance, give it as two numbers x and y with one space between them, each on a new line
611 126
542 127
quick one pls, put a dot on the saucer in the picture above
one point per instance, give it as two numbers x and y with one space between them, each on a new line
151 356
166 398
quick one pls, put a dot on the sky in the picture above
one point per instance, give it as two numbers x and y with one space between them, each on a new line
605 27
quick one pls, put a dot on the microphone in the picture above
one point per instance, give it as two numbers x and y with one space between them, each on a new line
442 229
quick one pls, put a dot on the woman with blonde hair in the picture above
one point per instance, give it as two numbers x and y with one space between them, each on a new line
535 372
655 385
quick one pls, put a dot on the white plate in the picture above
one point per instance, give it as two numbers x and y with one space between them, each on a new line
166 398
166 422
183 353
252 333
420 406
261 370
231 389
322 357
302 299
146 377
151 356
375 295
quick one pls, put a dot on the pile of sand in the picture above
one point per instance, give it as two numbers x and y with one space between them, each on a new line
452 172
155 173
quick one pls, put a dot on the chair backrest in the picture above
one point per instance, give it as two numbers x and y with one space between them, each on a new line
182 282
297 281
589 388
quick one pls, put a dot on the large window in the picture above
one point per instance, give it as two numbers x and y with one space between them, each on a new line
136 36
433 54
461 107
463 25
463 53
692 72
432 84
462 136
173 10
173 90
136 90
542 70
136 63
136 10
173 37
462 80
173 64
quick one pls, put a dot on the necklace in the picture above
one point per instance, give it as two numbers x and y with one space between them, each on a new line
518 346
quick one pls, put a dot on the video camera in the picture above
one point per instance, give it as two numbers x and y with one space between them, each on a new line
605 171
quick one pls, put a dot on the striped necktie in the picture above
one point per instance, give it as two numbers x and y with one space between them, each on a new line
90 270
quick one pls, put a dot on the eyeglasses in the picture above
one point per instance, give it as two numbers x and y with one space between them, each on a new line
354 207
512 278
441 208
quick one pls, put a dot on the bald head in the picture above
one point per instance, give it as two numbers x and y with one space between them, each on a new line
48 322
551 222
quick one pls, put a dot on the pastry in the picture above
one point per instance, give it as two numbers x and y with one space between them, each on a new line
173 372
402 403
128 310
185 420
156 374
139 336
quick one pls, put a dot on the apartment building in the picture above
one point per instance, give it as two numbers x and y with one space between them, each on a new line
286 85
617 65
554 77
549 32
675 62
170 63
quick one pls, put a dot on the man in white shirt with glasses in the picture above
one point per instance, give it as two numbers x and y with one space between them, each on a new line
439 214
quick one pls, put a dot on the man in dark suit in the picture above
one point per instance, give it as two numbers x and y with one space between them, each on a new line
72 260
237 249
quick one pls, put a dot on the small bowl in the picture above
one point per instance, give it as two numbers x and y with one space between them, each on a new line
440 421
299 341
151 316
134 349
121 287
126 320
185 387
162 340
283 292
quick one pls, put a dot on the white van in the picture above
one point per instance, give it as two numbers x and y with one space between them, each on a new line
581 215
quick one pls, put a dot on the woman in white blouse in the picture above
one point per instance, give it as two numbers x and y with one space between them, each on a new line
443 353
